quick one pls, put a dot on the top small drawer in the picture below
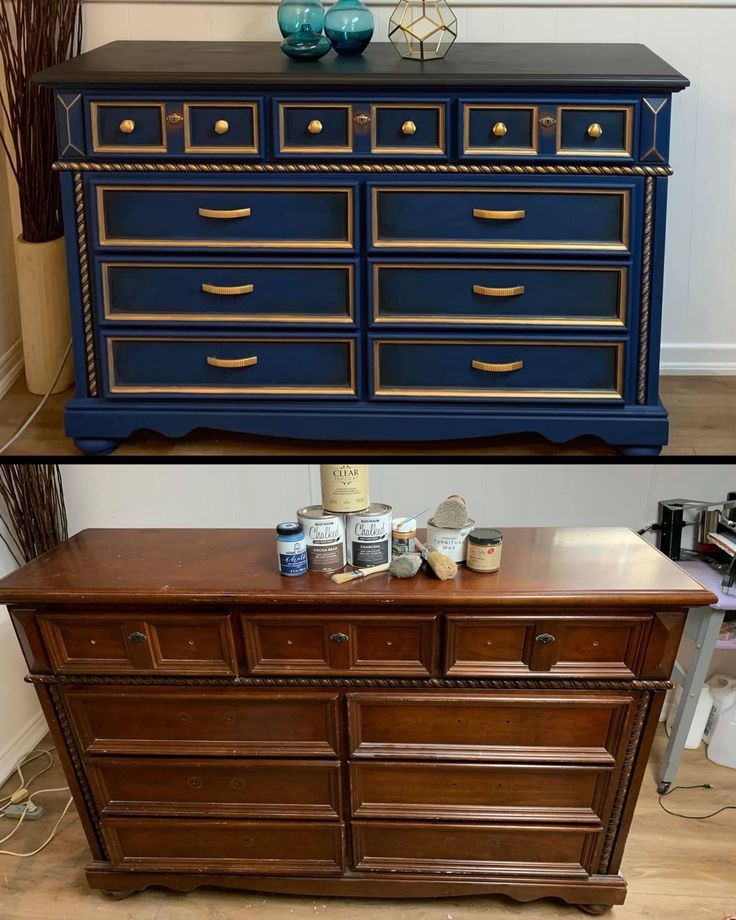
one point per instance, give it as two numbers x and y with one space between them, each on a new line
128 127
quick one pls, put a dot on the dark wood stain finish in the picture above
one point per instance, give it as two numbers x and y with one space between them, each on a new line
219 724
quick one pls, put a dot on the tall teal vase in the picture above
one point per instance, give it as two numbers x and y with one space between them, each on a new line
349 26
294 15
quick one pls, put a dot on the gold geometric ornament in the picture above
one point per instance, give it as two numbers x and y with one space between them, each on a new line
422 30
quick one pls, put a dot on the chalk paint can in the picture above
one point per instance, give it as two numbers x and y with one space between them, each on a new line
324 533
344 487
484 549
403 536
291 548
368 535
450 541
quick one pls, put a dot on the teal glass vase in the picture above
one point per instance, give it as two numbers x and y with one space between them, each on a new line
306 45
349 26
293 14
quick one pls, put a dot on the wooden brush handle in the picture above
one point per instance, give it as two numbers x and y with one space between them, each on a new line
342 577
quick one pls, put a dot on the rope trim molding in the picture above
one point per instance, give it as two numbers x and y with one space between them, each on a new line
84 282
350 682
439 168
646 283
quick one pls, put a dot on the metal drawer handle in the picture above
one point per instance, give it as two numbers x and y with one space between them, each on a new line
232 362
498 292
315 126
224 215
497 368
545 639
227 291
499 129
127 126
595 130
222 126
408 128
338 637
137 637
498 215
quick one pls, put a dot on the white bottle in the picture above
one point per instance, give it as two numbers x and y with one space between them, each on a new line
702 711
723 691
722 747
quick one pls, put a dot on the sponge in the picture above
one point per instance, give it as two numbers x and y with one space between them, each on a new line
451 513
405 566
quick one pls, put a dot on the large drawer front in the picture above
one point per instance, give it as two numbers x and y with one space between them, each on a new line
500 218
268 848
234 365
223 723
566 727
462 293
216 788
479 792
293 644
81 643
573 646
485 368
244 292
474 849
239 217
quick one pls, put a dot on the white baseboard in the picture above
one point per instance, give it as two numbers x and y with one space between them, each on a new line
11 366
702 358
26 739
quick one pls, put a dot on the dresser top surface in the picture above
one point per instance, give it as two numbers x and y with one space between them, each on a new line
504 65
574 565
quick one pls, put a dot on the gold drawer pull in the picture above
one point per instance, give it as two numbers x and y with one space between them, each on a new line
315 126
127 126
408 128
498 215
232 362
222 126
499 129
497 368
498 292
227 291
224 215
595 130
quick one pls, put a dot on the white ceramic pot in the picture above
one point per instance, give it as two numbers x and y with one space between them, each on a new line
44 313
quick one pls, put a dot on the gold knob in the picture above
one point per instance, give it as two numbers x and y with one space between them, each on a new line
127 126
499 129
315 127
595 130
408 128
221 127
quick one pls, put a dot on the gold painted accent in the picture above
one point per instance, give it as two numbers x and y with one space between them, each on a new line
68 106
228 291
334 148
653 148
617 394
595 130
221 126
224 215
498 291
646 268
84 284
119 317
127 126
175 119
408 128
232 362
315 126
452 320
626 151
485 214
97 147
622 246
264 390
500 129
505 169
501 151
497 368
347 243
439 148
362 120
219 148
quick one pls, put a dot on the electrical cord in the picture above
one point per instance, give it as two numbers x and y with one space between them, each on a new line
676 814
32 755
40 406
48 840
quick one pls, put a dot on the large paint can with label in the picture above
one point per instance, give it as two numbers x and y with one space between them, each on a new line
324 534
368 536
344 487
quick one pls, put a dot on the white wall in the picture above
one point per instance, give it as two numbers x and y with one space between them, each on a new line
699 334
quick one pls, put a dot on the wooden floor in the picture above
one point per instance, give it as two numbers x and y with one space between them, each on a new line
702 418
676 869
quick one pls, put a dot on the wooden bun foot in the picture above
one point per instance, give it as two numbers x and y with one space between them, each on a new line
117 894
595 909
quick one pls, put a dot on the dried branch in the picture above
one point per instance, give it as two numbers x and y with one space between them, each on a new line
33 511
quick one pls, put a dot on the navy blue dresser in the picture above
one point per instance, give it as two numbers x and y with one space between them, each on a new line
366 248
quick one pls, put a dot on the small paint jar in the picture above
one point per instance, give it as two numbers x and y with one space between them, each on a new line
291 548
484 549
403 536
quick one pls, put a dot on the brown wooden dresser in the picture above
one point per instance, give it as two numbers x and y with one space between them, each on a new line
222 725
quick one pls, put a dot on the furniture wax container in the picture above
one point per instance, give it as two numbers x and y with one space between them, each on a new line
484 549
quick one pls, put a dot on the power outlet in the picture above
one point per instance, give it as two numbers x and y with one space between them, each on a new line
16 812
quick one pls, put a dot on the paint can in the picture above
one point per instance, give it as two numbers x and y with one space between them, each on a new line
403 536
451 542
344 487
368 535
291 549
324 533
